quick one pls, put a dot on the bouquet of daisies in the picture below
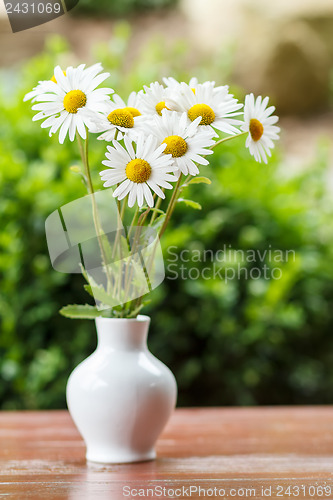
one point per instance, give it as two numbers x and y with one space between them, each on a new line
157 142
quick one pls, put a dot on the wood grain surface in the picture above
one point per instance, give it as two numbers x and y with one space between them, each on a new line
228 453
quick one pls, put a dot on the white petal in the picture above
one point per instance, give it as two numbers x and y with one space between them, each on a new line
148 195
156 189
72 128
62 81
133 196
64 128
129 147
140 194
122 188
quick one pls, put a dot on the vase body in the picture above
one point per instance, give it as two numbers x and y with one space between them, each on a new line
121 396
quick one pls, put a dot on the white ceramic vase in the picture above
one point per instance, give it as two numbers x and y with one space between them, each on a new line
121 396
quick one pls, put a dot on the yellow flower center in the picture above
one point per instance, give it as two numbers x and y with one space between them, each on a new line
121 118
256 129
203 110
74 100
138 170
53 79
161 105
133 111
176 146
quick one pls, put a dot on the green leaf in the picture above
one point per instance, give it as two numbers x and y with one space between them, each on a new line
199 180
191 203
88 290
158 222
124 248
99 293
106 247
76 311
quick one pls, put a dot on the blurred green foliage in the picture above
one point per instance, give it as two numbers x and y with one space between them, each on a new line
120 7
241 342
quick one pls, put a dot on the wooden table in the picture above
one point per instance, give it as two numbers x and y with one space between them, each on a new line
236 451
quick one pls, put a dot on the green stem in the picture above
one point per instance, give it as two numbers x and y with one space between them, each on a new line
157 206
227 139
136 213
136 239
84 151
119 227
143 217
170 209
171 206
122 213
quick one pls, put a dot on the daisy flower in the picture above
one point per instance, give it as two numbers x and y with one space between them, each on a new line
153 99
66 101
172 84
185 140
120 116
39 89
216 106
43 86
138 171
261 127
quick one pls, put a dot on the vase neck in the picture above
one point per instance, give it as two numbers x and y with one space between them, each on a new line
122 334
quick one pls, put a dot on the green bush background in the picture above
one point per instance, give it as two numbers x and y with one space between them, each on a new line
240 343
120 8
